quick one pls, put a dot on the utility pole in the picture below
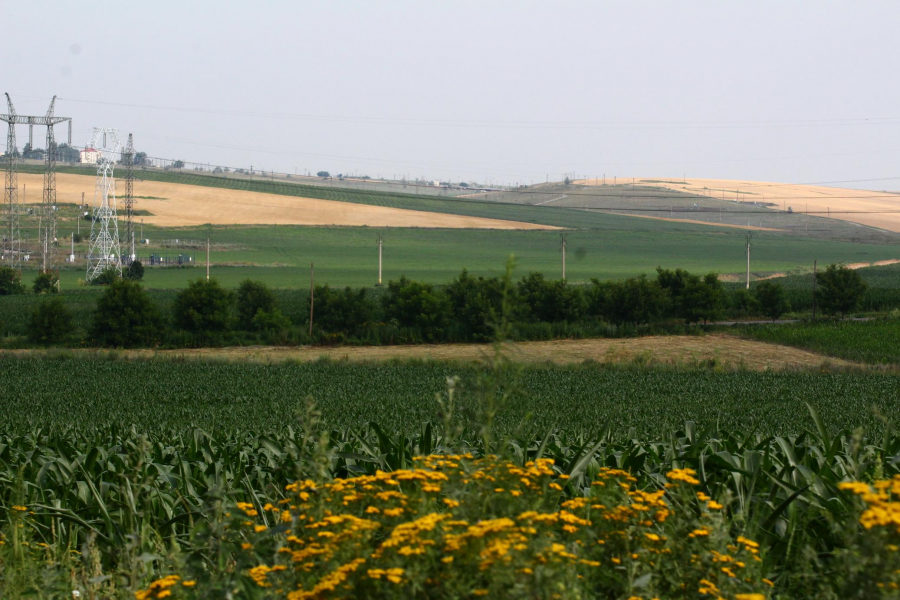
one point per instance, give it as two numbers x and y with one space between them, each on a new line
312 298
749 235
563 239
207 256
815 276
128 159
380 239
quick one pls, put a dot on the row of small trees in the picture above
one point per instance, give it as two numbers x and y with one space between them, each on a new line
125 315
46 282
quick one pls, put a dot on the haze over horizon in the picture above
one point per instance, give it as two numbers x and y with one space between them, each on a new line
500 92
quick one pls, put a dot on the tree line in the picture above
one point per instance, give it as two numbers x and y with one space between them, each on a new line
464 310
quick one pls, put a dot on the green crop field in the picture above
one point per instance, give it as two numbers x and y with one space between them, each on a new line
180 477
164 395
876 341
281 255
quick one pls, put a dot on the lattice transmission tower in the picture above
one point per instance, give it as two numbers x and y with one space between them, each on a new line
104 250
49 255
12 246
12 237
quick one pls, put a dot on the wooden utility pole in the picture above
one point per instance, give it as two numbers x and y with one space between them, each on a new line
207 256
380 245
749 235
312 298
815 276
563 238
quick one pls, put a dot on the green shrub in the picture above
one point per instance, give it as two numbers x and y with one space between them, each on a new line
345 311
691 297
742 302
135 271
125 316
50 322
46 283
271 321
106 277
771 299
550 301
839 289
204 307
637 300
10 282
597 298
475 303
253 297
414 304
701 299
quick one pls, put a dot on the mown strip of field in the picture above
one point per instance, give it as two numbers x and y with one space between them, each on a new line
718 351
166 395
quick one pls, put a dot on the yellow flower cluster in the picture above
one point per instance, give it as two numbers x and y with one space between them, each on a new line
882 501
685 475
456 525
162 588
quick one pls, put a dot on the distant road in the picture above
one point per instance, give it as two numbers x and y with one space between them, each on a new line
551 200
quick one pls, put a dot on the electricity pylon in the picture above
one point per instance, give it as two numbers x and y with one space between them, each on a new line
104 250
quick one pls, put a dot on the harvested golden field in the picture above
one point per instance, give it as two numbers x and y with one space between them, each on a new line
176 205
856 206
727 351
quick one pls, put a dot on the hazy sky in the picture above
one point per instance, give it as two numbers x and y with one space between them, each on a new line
797 91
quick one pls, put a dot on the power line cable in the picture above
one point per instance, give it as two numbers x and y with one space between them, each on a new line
526 124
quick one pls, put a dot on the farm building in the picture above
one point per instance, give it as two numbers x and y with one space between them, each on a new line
90 156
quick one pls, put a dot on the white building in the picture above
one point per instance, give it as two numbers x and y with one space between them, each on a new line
90 156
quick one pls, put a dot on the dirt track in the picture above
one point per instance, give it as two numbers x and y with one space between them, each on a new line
725 350
186 205
800 198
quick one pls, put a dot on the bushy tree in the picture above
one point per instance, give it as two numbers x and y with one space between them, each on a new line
271 320
691 297
597 298
771 299
135 271
50 322
839 289
550 301
203 307
475 302
673 283
253 297
125 316
344 311
415 304
107 276
743 302
636 301
46 283
10 282
701 299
